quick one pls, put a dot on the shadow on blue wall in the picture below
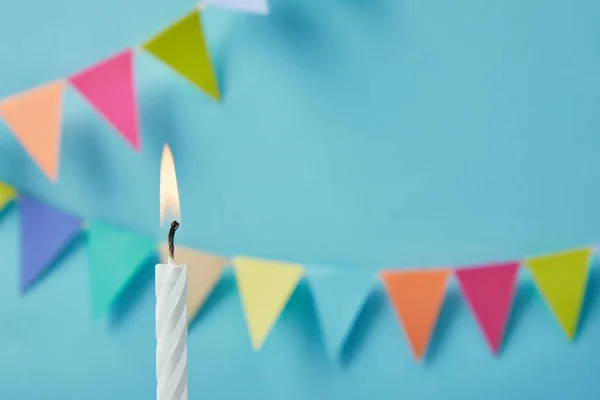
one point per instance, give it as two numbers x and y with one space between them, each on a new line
452 304
132 292
364 322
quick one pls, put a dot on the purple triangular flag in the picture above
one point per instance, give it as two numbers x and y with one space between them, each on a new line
45 232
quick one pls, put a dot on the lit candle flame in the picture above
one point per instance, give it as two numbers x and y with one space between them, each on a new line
169 193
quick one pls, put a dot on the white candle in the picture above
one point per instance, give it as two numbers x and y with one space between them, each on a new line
171 296
171 331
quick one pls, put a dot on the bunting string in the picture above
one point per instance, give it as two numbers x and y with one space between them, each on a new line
108 86
265 286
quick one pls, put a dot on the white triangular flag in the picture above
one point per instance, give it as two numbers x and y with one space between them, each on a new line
245 6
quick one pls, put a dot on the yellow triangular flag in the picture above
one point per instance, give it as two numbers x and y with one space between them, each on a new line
265 288
203 271
34 117
7 193
562 279
182 47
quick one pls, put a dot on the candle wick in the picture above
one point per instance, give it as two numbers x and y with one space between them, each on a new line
174 226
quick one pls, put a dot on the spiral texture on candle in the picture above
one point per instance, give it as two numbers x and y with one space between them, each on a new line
171 332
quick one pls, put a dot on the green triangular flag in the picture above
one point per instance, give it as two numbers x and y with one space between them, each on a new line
182 47
562 279
115 255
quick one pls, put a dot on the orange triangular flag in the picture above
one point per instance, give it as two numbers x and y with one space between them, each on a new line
417 297
34 117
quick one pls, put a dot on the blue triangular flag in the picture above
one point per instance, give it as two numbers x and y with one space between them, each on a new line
115 256
45 232
339 299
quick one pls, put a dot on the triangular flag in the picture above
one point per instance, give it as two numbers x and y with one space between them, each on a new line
115 255
245 6
339 299
7 194
45 232
562 279
109 89
34 117
417 297
203 272
265 288
182 47
489 291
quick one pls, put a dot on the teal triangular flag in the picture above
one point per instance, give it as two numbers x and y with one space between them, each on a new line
339 299
115 255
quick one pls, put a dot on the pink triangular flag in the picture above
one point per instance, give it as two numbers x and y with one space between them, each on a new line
489 290
109 88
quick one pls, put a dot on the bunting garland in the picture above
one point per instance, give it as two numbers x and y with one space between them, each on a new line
265 286
108 87
34 117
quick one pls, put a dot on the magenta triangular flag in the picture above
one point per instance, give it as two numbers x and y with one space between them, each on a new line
489 290
45 232
109 88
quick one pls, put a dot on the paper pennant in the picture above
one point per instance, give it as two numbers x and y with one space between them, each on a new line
339 299
182 47
417 297
203 272
45 232
115 256
245 6
265 288
109 89
7 194
562 279
489 291
34 117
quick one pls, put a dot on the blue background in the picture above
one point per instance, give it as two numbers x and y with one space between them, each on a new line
356 133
